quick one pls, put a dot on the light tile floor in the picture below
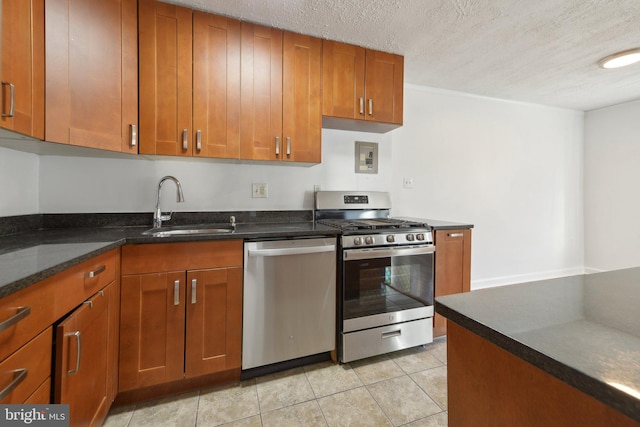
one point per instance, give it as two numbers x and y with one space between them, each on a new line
405 388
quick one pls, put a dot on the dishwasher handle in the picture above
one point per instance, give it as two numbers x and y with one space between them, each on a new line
292 251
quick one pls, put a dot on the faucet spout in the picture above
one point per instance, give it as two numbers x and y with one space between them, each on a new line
158 217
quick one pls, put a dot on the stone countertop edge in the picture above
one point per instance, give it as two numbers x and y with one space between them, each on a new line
43 274
599 390
121 237
437 224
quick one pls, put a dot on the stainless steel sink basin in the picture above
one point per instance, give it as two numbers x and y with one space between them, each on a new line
186 230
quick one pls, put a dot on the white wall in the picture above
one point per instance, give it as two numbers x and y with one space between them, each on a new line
611 193
80 184
19 183
514 170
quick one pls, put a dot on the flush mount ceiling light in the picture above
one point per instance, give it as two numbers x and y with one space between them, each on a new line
621 59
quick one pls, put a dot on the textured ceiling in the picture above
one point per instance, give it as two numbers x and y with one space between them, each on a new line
540 51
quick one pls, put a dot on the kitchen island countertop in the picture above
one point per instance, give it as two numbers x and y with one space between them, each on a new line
583 330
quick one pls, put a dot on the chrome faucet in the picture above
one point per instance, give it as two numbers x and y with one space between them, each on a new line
157 214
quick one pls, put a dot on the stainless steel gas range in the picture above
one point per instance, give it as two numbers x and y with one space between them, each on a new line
386 274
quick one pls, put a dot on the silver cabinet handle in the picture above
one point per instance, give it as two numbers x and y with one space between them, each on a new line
19 375
78 341
277 145
176 292
362 106
20 314
94 273
198 140
371 106
194 283
288 146
455 234
12 105
185 136
391 334
133 135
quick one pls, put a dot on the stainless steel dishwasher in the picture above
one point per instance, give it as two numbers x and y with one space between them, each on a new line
289 300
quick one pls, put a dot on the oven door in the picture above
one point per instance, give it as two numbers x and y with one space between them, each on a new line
386 285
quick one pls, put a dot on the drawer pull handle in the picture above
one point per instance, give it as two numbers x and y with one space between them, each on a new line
18 376
455 234
361 106
392 334
12 107
194 283
288 146
20 314
94 273
185 141
133 135
78 341
176 292
277 145
198 140
371 106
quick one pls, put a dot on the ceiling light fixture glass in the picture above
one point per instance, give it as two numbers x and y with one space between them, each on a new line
621 59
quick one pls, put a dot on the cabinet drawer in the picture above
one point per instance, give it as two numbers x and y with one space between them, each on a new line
25 370
42 395
79 283
23 315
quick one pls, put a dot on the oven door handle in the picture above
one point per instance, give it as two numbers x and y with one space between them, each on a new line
357 254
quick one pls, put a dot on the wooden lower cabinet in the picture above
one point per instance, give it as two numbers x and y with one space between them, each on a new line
180 324
83 358
452 269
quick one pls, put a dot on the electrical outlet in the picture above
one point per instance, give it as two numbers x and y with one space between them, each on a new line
407 183
259 190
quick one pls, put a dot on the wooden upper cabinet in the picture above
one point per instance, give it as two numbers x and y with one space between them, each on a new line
362 84
91 73
261 93
302 99
165 50
452 268
216 86
22 67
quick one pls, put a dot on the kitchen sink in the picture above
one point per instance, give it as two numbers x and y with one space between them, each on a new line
186 230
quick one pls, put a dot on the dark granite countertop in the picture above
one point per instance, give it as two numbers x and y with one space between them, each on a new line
437 224
584 330
29 257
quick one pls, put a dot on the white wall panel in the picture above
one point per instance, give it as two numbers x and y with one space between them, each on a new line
18 183
611 187
514 170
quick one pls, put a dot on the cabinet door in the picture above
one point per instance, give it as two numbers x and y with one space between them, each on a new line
343 80
165 39
261 93
452 269
214 321
302 99
384 87
91 73
151 329
216 86
81 361
22 68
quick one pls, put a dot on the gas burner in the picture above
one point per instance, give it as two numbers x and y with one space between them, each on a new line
379 224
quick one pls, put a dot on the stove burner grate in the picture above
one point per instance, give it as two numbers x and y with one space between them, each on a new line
372 224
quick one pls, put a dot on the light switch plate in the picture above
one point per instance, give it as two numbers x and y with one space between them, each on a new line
259 190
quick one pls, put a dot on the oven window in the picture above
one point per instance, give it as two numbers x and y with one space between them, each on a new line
385 285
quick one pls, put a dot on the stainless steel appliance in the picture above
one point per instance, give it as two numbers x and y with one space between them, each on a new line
386 274
289 300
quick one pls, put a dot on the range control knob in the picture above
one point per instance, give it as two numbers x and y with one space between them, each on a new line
391 238
410 237
420 236
357 241
368 240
